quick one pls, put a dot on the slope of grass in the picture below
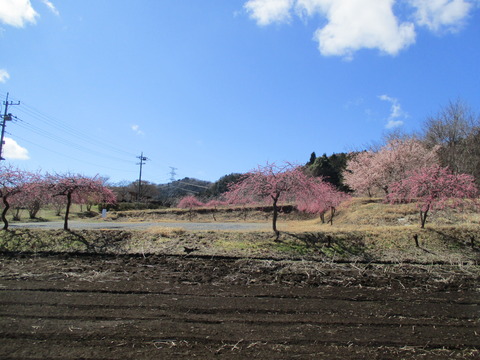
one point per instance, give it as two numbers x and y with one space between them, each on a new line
363 230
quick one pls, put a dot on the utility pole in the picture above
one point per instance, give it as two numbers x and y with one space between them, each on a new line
6 117
141 163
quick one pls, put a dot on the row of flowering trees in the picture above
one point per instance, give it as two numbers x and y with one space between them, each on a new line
23 189
274 184
405 171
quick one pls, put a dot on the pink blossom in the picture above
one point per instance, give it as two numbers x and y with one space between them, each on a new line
433 187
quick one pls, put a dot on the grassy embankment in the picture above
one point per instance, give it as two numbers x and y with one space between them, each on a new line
363 230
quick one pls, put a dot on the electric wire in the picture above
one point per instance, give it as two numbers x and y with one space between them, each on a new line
185 183
64 129
187 190
61 126
98 142
60 132
68 156
39 131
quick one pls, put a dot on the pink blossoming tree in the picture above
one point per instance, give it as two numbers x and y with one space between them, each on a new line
12 182
320 198
270 183
189 202
34 195
434 187
370 171
78 189
215 203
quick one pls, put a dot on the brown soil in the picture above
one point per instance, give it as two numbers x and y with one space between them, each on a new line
85 306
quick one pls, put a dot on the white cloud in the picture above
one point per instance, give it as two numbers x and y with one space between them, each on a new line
11 150
17 12
354 103
351 25
51 7
356 24
396 112
137 130
392 124
438 14
266 12
4 76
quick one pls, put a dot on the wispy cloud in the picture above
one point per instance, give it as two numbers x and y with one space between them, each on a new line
14 151
351 25
441 14
354 103
17 12
396 112
265 12
51 7
136 129
4 76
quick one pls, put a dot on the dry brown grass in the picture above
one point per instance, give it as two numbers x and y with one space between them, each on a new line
166 232
363 229
357 212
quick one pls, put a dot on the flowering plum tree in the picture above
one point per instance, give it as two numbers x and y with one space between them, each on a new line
270 183
319 198
189 202
12 182
214 203
369 171
33 196
358 175
434 187
78 188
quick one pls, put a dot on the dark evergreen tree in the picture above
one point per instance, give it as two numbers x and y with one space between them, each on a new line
330 167
223 184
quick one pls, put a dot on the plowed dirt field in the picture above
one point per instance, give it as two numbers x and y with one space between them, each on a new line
64 306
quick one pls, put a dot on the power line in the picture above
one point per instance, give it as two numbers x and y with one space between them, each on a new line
42 132
105 149
195 185
101 143
62 126
68 156
187 190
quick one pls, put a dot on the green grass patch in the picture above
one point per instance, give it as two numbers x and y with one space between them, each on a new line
451 244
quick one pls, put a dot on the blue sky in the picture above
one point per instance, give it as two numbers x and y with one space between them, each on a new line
214 87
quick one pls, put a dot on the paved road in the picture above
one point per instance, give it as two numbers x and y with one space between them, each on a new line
142 225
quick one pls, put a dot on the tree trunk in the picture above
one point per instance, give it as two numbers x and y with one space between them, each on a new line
415 237
423 217
332 214
274 219
322 217
4 212
34 209
329 241
16 214
67 210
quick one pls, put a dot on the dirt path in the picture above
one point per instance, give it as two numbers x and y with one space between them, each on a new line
167 307
190 226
